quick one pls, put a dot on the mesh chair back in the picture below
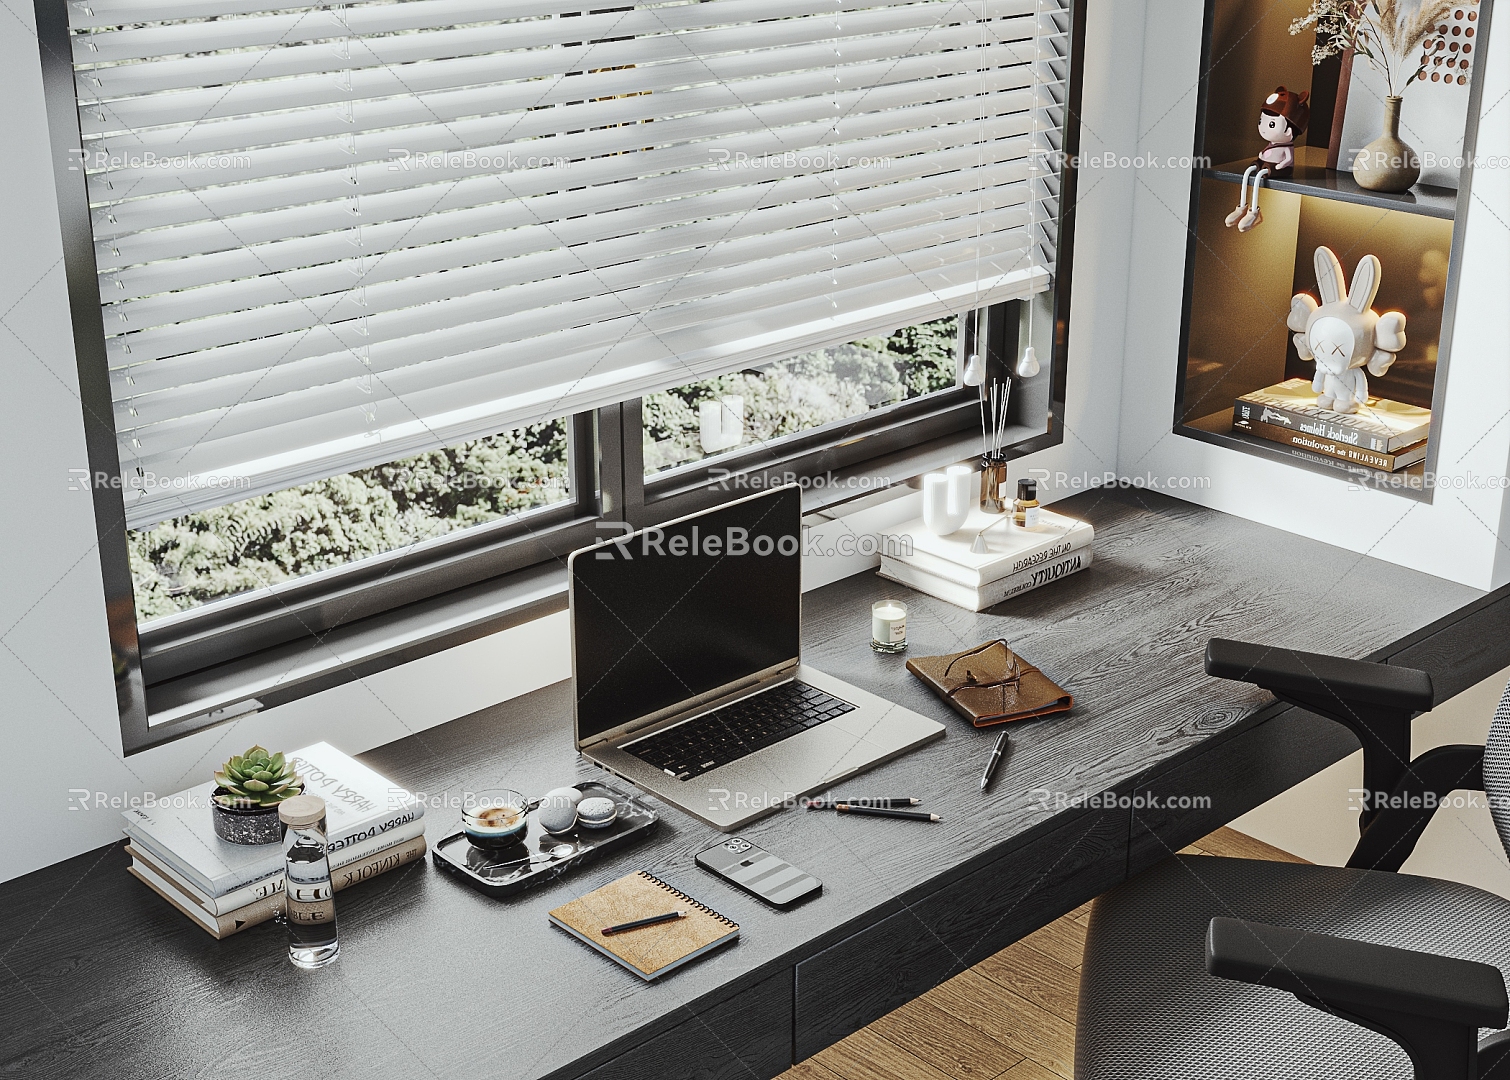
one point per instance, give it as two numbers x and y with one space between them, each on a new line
1497 769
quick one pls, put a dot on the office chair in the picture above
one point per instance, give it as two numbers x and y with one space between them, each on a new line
1235 969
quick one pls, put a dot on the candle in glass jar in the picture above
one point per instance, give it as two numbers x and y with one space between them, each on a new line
888 626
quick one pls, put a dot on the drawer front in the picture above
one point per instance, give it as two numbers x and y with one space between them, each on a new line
1228 780
746 1036
872 972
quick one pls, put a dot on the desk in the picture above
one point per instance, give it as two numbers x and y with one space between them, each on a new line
101 978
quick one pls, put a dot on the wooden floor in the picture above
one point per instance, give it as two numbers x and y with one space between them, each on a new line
1012 1016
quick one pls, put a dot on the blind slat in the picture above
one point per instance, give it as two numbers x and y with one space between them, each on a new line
685 86
922 175
658 229
229 69
910 153
483 52
473 315
622 126
461 295
796 127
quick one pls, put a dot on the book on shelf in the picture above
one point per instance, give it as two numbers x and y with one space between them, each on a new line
1351 455
990 594
1379 425
1009 549
360 806
273 883
224 923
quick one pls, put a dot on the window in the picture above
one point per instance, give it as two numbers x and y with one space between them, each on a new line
254 543
379 305
812 390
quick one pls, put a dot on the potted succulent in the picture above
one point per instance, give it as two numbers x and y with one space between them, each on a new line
248 789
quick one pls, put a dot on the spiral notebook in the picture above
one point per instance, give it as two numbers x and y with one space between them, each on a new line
654 950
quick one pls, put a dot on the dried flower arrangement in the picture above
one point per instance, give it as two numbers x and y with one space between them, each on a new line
1384 32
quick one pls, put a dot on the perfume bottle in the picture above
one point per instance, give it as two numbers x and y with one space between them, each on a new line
1025 506
308 896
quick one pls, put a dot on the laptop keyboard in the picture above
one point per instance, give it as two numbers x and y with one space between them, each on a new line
737 730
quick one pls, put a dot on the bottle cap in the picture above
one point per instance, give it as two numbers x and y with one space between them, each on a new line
301 810
1027 490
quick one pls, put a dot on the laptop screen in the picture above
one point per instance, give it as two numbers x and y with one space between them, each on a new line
672 612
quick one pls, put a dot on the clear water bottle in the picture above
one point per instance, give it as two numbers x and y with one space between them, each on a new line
309 899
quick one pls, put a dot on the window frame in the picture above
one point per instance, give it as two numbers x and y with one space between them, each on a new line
415 601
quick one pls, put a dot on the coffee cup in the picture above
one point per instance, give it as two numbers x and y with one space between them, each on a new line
495 818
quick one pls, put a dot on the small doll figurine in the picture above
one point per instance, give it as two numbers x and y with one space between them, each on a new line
1281 120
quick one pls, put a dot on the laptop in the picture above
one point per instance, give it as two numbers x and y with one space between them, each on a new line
689 680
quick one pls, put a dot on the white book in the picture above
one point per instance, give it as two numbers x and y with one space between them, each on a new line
991 593
1009 549
271 906
359 805
273 883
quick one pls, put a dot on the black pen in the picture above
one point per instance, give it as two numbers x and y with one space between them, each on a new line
653 920
889 804
994 760
882 811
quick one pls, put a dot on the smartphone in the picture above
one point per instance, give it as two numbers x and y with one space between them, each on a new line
741 863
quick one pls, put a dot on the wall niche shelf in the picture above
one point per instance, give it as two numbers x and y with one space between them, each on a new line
1323 183
1234 339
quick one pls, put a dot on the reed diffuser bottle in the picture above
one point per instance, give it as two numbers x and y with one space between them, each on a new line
994 496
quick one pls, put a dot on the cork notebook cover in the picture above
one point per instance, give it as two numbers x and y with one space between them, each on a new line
654 950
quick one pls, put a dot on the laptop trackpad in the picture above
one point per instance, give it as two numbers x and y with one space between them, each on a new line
830 750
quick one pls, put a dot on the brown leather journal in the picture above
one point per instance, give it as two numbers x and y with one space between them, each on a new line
990 684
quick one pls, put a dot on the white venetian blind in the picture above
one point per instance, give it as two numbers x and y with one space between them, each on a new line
332 236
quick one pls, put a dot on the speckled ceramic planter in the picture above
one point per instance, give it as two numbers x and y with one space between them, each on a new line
259 826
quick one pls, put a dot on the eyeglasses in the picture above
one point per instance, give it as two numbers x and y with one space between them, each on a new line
994 670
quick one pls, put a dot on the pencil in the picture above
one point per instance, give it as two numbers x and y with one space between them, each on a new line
882 811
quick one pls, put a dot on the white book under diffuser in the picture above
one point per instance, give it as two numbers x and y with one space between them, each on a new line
1009 549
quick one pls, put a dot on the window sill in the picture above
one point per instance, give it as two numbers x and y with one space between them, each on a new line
282 674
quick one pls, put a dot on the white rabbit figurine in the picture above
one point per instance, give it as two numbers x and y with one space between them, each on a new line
1343 334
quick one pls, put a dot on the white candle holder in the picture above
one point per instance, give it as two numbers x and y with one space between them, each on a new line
888 626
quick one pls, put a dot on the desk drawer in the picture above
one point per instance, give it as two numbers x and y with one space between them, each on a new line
872 972
747 1035
1235 775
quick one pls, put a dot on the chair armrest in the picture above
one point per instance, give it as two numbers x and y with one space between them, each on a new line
1432 1006
1375 701
1332 679
1401 815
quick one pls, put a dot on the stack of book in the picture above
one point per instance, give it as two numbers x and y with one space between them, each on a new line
1016 560
1382 434
373 826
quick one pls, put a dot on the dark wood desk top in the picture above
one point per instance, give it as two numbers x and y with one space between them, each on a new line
98 977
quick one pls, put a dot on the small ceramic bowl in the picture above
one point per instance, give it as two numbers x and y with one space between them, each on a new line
597 812
495 818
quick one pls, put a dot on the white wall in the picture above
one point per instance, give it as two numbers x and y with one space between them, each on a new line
1317 819
1456 536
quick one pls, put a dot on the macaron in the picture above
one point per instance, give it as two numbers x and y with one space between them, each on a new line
597 812
558 809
